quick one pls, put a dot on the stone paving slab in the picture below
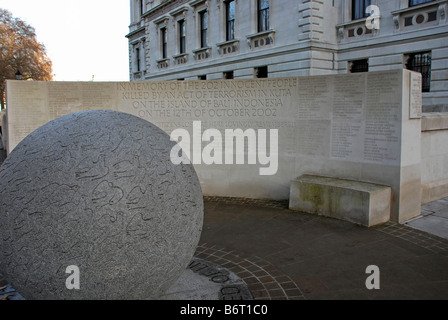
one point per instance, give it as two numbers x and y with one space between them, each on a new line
437 225
434 218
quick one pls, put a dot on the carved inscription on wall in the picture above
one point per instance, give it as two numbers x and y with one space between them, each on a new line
226 104
415 99
208 100
383 119
348 118
314 96
345 117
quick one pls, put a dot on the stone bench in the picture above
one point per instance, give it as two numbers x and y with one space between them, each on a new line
362 203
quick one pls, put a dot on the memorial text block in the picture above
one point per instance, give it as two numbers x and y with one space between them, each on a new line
344 126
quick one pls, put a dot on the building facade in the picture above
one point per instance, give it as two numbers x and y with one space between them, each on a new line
242 39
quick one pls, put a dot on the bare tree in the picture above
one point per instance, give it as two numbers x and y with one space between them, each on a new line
20 51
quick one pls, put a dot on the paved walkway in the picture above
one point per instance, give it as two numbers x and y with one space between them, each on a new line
287 255
283 254
434 218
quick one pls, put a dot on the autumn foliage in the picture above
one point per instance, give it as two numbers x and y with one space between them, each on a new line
20 51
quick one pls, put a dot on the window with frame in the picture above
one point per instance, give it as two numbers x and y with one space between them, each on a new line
228 75
164 42
359 66
263 15
421 62
230 20
359 9
261 72
203 19
182 43
137 59
141 8
417 2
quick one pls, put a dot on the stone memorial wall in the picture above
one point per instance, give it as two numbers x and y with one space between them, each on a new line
363 126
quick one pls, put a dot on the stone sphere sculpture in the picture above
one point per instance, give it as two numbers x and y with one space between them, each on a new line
92 207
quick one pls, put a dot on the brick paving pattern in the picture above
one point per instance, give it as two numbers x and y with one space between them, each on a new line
420 238
275 204
327 258
263 279
286 255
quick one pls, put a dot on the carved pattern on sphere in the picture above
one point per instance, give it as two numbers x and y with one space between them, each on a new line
97 190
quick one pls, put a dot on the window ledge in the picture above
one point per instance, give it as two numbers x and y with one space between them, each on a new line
140 74
353 22
228 46
407 17
180 55
201 49
163 63
162 19
260 34
180 11
353 29
261 39
134 32
202 53
225 43
196 3
180 58
419 7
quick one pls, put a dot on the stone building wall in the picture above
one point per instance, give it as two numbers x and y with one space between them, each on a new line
305 37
